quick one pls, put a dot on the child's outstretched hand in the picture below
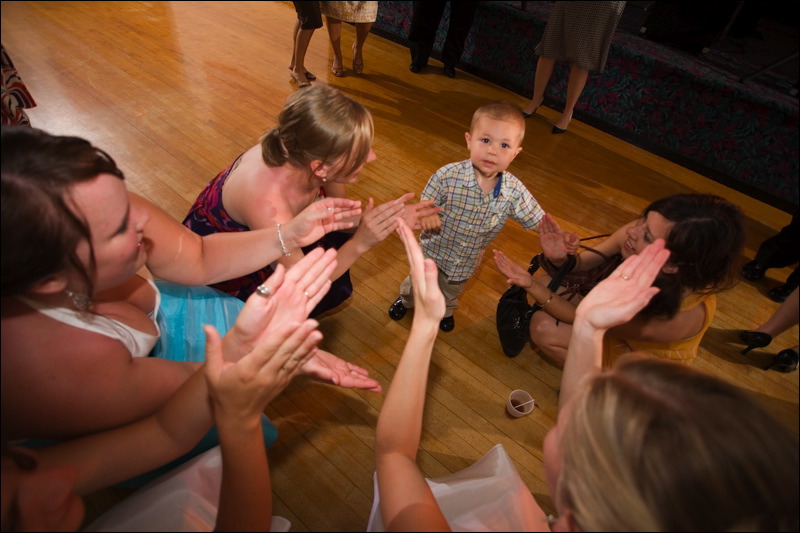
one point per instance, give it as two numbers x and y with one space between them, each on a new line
431 222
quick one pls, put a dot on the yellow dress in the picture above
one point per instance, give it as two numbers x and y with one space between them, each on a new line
350 11
683 351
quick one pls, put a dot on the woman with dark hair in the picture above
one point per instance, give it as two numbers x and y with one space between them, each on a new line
86 345
705 236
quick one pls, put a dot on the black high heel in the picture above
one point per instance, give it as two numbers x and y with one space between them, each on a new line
529 115
754 339
785 361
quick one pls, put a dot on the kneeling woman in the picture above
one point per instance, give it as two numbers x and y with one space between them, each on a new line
705 236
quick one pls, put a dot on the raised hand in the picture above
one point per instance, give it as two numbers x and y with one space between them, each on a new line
295 292
378 222
324 366
422 215
516 274
319 218
555 242
240 390
625 292
429 304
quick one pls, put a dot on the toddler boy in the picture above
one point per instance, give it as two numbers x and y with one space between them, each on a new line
477 196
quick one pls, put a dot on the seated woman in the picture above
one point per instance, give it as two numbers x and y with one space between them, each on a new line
705 236
321 143
41 488
610 461
78 302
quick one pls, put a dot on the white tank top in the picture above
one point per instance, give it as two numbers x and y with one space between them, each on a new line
138 343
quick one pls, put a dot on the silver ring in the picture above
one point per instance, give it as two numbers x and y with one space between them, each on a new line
306 293
264 291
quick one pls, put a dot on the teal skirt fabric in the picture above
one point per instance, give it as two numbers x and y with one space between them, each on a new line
183 312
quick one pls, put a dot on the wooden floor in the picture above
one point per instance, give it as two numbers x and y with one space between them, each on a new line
176 90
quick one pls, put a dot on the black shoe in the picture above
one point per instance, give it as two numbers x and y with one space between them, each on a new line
447 323
450 72
557 131
779 294
754 271
784 361
754 339
414 67
397 311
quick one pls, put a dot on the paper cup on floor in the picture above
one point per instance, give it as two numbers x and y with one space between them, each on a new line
520 403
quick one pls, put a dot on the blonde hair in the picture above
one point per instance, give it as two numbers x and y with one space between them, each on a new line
656 446
320 123
500 110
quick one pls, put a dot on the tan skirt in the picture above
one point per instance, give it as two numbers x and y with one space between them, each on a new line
350 11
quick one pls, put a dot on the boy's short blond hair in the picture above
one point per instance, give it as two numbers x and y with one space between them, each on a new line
500 110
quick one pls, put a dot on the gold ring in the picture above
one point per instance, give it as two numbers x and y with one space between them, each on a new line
623 276
306 293
264 291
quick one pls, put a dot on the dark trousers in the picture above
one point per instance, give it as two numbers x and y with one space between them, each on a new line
424 23
783 250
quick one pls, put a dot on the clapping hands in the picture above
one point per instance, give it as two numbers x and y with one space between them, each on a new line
555 242
378 222
295 292
319 218
516 274
625 292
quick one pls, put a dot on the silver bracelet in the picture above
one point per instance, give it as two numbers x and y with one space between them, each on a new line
283 244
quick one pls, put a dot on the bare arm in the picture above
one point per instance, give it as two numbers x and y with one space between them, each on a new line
175 253
84 382
407 503
375 224
111 456
556 243
613 301
239 392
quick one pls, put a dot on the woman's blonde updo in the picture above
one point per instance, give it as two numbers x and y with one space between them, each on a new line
320 123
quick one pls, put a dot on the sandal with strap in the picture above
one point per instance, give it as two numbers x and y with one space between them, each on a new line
358 68
300 82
